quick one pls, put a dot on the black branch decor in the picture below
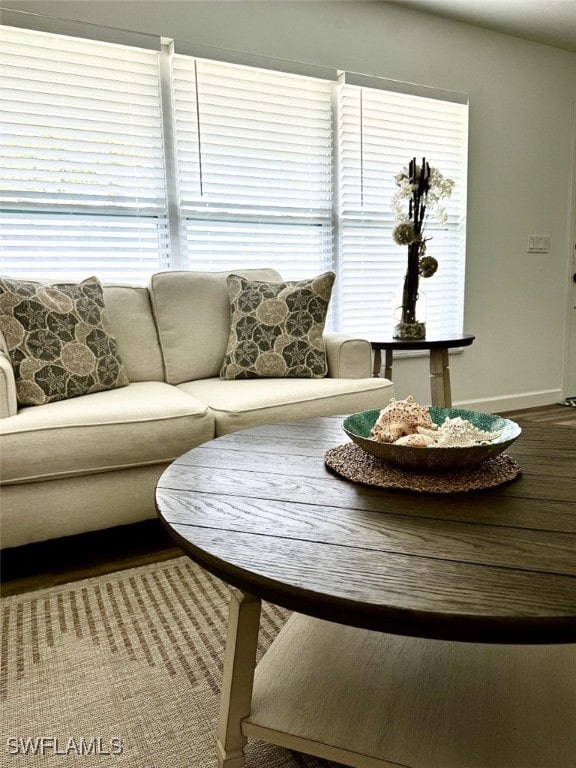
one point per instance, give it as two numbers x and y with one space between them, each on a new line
420 190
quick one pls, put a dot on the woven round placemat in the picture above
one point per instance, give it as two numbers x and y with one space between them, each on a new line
351 462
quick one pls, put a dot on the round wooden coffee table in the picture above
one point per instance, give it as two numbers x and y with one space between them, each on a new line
432 631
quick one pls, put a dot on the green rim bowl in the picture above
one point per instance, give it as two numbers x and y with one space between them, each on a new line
358 427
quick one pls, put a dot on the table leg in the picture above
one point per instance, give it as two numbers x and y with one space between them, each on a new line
377 364
238 677
440 378
388 364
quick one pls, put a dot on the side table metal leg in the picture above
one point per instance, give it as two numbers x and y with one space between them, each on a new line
238 677
440 378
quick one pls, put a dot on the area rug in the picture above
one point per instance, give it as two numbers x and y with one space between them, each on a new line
123 669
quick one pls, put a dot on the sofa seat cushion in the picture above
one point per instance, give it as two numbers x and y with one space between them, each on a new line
142 424
246 403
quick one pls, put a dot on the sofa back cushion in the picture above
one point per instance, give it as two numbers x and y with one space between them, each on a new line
132 322
192 311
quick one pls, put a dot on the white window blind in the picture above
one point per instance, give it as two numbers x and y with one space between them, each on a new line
254 167
378 133
97 137
82 174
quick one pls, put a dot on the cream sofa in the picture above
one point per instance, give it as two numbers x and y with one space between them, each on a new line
92 462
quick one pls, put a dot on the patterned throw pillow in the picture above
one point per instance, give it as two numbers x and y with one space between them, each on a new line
59 340
276 328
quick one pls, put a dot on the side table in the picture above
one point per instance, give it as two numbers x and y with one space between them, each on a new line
438 347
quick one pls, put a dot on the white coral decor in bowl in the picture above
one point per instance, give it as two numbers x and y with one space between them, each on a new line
428 437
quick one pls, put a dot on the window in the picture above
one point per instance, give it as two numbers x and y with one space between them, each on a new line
254 167
379 132
120 161
83 180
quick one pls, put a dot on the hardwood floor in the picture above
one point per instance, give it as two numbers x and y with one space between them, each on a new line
58 561
50 563
560 415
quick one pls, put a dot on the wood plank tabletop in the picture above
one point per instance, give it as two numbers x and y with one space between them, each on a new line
260 510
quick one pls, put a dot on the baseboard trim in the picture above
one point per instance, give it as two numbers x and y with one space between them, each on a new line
514 402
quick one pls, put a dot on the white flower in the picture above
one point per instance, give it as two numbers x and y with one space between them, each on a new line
439 187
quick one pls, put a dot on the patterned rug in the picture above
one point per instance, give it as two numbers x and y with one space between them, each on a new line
123 669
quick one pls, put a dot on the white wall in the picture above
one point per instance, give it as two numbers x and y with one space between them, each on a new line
522 97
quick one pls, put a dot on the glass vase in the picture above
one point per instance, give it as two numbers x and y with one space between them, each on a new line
410 315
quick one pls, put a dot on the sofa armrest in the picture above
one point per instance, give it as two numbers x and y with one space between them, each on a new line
8 402
348 357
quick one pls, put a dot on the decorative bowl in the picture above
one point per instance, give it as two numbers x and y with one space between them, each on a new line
358 426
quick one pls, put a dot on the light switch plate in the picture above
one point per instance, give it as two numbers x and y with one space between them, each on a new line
538 244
